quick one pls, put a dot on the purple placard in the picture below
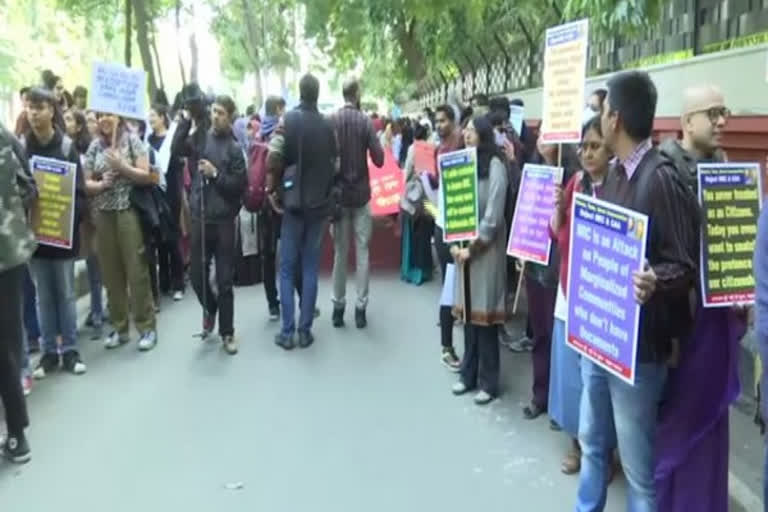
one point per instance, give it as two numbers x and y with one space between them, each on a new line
607 247
529 238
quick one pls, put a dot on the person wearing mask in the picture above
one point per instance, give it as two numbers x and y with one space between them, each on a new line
53 268
112 170
304 161
217 169
565 374
356 139
451 139
481 298
171 266
641 180
80 98
693 434
17 245
541 282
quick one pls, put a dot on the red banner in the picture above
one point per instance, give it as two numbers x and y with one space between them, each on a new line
424 157
386 186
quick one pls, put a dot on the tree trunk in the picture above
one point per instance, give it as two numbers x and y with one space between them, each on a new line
412 50
159 69
253 45
258 95
178 48
128 34
142 38
194 58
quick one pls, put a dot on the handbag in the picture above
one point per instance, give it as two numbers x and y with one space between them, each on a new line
292 190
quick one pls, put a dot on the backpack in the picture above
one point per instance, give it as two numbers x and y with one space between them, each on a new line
255 194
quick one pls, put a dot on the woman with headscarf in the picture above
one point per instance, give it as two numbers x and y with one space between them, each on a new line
480 288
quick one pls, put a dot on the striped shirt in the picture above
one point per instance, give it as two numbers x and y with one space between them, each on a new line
355 138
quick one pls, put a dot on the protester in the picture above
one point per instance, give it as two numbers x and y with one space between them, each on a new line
693 432
112 170
80 97
77 129
17 192
170 264
53 268
564 376
451 140
92 123
22 124
217 169
645 182
480 288
304 161
417 227
356 139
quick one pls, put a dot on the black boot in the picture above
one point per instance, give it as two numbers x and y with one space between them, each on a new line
338 317
360 319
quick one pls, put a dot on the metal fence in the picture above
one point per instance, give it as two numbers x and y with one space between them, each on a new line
686 28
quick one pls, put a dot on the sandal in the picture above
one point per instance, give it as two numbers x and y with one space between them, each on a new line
533 411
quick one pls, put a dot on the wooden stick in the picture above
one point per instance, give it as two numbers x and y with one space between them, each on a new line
114 134
519 288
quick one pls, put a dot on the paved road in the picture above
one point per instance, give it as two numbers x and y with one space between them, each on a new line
361 421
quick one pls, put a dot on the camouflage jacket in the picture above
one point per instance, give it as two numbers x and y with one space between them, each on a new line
17 190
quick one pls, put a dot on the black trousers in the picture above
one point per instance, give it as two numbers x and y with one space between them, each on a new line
11 342
480 364
269 234
171 267
219 243
446 316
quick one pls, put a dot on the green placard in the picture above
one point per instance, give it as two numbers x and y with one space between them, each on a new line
458 191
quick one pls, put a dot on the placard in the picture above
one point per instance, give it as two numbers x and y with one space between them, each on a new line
565 69
529 238
117 90
730 198
424 157
516 117
54 219
458 191
387 186
607 247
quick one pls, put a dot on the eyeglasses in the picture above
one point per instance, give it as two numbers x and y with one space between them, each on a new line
715 113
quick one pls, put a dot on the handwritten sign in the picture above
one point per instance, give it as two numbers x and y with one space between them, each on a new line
529 238
386 186
607 247
54 220
565 69
516 117
458 190
424 157
731 200
117 90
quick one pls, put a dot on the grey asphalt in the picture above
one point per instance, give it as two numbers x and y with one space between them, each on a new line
361 421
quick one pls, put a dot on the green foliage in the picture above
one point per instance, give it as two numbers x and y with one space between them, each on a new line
615 16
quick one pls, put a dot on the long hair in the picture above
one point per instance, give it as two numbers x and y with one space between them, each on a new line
486 146
82 138
592 124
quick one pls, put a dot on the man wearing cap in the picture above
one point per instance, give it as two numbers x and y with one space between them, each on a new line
692 438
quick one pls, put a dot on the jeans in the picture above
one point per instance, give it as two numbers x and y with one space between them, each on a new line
94 283
300 241
359 222
219 243
269 233
55 280
31 322
11 337
606 400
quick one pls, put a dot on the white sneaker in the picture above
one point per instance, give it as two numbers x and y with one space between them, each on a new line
178 295
483 398
114 340
147 341
459 388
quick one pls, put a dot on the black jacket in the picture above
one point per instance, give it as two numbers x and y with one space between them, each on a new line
223 194
55 149
318 157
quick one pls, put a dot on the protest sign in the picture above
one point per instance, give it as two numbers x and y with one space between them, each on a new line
54 219
607 247
424 157
730 197
117 90
516 117
529 238
458 191
565 68
386 186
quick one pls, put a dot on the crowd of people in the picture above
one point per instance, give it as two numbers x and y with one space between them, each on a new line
146 220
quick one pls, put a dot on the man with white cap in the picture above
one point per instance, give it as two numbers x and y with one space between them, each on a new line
692 438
